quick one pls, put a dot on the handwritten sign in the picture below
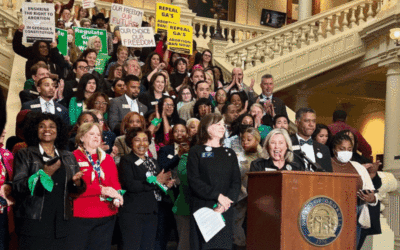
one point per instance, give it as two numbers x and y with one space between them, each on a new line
137 37
124 16
62 40
180 38
165 14
82 36
87 4
39 22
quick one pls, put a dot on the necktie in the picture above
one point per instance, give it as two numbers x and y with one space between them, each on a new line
47 104
309 142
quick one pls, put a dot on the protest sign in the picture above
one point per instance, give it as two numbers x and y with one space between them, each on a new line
82 36
39 22
125 16
87 4
137 37
165 14
101 62
180 38
62 41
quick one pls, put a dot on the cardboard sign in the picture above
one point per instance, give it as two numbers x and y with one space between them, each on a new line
165 14
82 36
101 62
137 37
125 16
62 41
87 4
39 21
180 38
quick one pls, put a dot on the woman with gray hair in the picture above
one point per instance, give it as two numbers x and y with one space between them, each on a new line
94 42
278 153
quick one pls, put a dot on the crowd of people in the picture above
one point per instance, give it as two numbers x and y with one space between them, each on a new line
128 155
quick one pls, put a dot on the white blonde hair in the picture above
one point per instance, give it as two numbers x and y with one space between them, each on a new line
279 131
90 43
190 121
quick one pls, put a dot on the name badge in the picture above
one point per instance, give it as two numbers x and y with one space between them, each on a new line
296 147
138 162
79 104
33 106
154 103
83 164
33 92
170 157
270 169
125 106
74 89
207 154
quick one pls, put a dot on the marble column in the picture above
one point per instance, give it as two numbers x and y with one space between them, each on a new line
392 145
305 9
392 117
181 3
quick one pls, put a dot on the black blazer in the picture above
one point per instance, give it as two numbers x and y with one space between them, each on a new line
139 197
166 158
261 164
324 161
60 110
70 90
27 95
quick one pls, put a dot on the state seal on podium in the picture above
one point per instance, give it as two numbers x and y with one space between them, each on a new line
320 221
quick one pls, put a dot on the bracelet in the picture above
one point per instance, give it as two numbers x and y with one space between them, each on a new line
156 121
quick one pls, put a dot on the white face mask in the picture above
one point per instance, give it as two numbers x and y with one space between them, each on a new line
344 156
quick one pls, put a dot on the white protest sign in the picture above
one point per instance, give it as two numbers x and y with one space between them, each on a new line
124 16
39 22
87 4
137 37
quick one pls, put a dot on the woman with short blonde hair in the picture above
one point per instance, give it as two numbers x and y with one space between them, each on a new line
277 153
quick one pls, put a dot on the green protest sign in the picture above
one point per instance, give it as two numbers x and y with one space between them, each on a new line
101 62
62 41
82 36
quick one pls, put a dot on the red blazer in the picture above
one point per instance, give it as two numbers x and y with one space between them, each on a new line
88 204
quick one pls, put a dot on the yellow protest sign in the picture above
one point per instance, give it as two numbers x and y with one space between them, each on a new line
180 38
165 14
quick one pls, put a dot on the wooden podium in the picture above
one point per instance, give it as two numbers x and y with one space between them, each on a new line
277 199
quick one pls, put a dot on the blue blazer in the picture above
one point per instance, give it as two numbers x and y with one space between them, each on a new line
60 110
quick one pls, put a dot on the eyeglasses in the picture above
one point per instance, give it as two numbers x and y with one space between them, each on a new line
168 105
100 103
207 55
101 120
84 68
186 93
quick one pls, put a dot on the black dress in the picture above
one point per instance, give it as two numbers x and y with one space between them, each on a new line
212 171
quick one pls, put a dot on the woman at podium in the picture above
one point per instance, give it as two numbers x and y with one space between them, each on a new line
342 148
214 181
278 153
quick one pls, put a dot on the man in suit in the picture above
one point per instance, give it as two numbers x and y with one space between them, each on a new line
124 104
80 68
237 84
302 142
45 103
38 72
273 105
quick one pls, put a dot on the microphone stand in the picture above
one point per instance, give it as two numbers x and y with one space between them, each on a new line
303 156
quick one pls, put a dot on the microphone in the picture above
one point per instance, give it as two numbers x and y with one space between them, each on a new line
303 156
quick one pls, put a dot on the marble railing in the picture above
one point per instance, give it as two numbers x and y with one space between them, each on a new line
301 34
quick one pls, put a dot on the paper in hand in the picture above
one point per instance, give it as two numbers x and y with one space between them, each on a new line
209 222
